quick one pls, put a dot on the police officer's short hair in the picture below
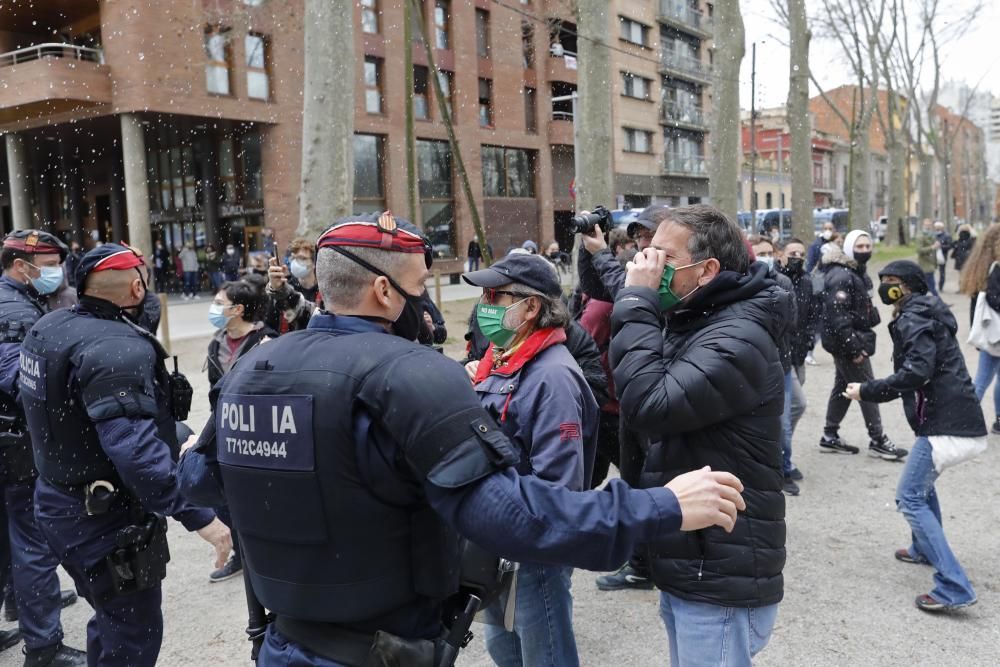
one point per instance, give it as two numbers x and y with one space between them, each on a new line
552 312
8 255
342 281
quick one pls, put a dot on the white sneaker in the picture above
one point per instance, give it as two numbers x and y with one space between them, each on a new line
196 297
810 360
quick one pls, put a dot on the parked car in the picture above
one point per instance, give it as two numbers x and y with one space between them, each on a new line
775 218
839 217
622 217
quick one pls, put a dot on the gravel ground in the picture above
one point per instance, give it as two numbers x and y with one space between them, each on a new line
847 601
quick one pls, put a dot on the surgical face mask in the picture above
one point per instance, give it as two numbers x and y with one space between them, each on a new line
668 299
216 315
826 235
491 322
299 269
50 280
767 261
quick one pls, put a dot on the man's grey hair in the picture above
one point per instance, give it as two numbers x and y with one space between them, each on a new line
551 314
343 282
713 234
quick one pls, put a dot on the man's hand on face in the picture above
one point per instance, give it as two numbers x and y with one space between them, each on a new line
708 498
646 269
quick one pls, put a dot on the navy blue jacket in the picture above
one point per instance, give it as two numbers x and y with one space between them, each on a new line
521 517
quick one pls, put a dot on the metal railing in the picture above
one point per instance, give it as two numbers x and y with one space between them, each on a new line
562 115
684 63
50 50
678 163
683 113
822 183
685 14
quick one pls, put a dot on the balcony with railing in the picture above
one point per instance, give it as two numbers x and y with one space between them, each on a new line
684 66
679 164
684 17
686 115
48 78
823 183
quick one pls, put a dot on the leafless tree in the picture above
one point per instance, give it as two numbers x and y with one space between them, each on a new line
723 170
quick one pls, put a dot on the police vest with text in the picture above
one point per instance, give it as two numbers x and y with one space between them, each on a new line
319 545
18 313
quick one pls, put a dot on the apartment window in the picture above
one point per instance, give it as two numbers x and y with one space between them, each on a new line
483 33
527 45
508 172
258 85
442 18
636 86
767 200
369 16
485 103
530 110
219 55
633 31
437 204
373 85
638 141
369 163
421 108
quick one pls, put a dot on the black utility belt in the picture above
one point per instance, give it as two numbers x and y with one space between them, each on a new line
358 649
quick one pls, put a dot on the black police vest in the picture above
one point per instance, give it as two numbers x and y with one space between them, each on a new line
318 543
66 445
18 313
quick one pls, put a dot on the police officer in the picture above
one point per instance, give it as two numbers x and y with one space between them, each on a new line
32 270
97 400
352 458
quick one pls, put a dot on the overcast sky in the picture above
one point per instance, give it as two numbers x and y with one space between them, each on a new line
975 57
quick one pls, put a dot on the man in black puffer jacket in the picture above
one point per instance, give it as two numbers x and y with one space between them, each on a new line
847 333
708 391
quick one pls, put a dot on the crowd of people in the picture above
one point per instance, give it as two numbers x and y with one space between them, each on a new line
375 494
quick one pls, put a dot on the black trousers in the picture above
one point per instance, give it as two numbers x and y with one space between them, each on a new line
836 408
608 449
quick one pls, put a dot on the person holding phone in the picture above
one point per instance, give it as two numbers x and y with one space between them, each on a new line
294 298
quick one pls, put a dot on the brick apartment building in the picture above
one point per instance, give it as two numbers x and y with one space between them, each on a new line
180 120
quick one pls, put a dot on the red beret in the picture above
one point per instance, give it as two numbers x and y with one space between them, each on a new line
382 231
34 242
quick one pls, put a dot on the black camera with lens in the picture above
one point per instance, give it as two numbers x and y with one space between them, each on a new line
586 222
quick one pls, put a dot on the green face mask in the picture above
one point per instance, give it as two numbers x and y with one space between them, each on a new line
667 297
490 319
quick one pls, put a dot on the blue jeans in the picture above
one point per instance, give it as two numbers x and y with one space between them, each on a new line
795 405
917 500
989 367
543 621
191 282
708 635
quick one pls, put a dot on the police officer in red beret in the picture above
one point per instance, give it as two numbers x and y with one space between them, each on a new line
99 407
32 263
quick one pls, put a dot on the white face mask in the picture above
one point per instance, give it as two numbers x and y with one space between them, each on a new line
230 251
827 235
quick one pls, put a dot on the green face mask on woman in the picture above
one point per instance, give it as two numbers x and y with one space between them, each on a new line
490 319
668 299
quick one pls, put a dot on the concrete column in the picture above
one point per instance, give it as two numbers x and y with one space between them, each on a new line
20 182
136 188
116 190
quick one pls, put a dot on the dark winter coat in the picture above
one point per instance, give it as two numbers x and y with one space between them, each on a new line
848 314
931 376
962 249
808 309
785 338
601 274
710 391
213 364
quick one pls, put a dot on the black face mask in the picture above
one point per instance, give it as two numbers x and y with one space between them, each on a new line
407 324
794 265
135 312
862 257
964 236
889 294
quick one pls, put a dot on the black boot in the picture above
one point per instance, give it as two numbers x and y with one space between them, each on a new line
9 638
9 606
56 655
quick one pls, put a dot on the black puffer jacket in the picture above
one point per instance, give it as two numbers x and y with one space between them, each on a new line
848 313
601 274
931 376
710 391
786 337
808 309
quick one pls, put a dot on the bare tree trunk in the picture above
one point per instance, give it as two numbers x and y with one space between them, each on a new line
859 197
896 215
595 182
725 139
926 183
799 122
327 190
947 210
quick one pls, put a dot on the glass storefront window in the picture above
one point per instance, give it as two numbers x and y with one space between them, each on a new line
251 161
369 162
437 207
508 172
